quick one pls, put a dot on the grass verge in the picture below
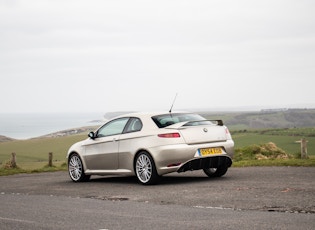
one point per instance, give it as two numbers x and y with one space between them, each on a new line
276 162
18 169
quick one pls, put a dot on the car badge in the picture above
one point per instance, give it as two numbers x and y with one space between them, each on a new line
205 130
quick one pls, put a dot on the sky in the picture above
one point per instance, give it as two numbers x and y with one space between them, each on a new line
136 55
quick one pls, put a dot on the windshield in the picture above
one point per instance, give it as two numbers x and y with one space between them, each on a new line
165 120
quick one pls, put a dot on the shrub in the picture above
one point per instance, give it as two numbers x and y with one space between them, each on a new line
259 152
9 164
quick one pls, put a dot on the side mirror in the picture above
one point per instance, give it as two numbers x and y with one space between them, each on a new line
91 135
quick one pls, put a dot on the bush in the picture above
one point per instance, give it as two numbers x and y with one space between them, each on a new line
10 165
259 152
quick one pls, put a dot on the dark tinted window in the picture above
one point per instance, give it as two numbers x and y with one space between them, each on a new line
133 125
165 120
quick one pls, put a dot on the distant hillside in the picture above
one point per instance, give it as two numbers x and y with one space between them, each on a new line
69 132
264 119
61 133
4 139
273 118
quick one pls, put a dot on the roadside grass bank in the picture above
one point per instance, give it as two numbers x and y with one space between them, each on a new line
32 154
32 167
276 162
37 149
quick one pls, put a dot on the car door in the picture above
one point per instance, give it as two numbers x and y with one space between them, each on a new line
129 142
101 153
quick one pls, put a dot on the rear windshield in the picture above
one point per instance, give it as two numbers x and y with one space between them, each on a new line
165 120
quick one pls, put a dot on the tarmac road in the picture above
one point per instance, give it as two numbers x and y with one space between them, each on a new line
245 198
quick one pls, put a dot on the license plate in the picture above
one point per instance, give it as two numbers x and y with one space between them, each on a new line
210 151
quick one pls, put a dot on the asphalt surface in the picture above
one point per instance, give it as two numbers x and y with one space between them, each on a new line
245 198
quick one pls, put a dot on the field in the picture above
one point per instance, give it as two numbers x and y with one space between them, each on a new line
285 142
285 139
33 153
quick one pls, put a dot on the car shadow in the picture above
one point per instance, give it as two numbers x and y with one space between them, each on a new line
114 179
167 180
164 180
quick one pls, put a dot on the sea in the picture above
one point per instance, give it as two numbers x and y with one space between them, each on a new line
30 125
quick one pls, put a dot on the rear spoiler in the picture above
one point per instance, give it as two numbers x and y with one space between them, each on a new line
186 123
218 122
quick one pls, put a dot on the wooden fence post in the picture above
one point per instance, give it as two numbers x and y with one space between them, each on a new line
303 148
303 142
13 161
50 158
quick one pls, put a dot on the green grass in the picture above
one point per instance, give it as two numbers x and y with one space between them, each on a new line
39 165
285 139
32 155
287 143
277 162
37 150
12 171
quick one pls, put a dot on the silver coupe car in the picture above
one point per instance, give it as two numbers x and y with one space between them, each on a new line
149 145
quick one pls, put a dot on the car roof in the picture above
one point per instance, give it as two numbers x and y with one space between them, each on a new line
149 114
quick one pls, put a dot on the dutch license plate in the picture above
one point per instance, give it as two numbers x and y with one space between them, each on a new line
210 151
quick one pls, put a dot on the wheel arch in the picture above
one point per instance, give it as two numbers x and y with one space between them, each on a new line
147 175
82 159
136 155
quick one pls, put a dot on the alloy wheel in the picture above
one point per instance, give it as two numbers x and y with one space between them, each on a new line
75 168
144 168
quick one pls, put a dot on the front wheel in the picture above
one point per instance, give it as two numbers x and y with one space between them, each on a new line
76 170
216 172
145 169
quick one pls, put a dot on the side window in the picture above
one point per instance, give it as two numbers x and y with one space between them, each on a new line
113 128
134 125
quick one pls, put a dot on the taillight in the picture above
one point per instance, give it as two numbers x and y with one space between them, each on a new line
228 134
227 131
169 135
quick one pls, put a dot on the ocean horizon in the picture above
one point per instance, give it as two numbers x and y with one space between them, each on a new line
30 125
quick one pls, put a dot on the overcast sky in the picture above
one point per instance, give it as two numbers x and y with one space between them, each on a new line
109 55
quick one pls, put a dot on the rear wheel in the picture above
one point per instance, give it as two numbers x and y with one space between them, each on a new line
145 169
216 172
76 170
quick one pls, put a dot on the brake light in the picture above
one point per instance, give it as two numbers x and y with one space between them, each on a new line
228 134
169 135
227 131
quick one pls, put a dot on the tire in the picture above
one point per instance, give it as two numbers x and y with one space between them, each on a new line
216 172
76 170
145 169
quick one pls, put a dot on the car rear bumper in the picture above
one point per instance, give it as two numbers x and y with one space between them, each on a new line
205 163
183 157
